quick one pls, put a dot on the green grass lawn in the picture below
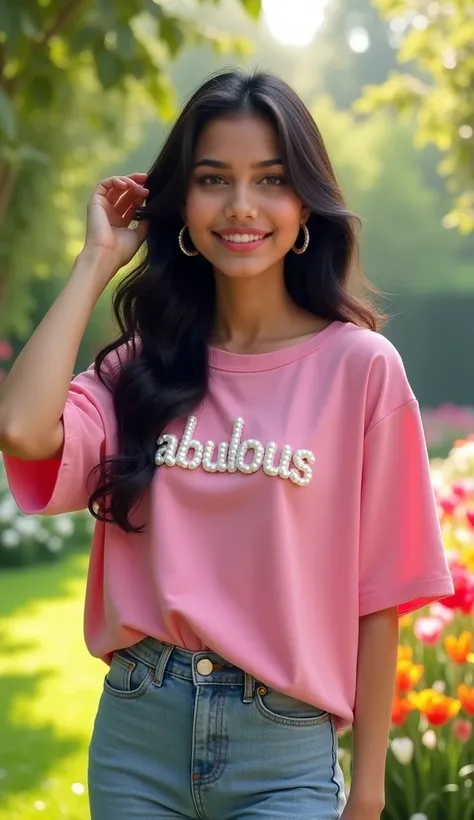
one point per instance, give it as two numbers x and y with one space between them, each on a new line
49 689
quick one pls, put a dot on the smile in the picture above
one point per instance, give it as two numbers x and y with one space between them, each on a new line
242 241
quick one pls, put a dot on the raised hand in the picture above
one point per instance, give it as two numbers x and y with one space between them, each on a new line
110 211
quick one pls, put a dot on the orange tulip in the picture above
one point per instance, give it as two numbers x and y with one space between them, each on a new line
408 675
436 707
466 696
400 710
458 649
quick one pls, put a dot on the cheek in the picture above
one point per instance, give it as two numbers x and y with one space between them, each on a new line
286 214
200 210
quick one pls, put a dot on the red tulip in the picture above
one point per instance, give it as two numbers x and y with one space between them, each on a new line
463 597
459 489
448 505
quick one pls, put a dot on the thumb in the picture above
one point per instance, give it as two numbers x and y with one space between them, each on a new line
141 231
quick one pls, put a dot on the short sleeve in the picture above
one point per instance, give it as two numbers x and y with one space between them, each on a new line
62 484
402 560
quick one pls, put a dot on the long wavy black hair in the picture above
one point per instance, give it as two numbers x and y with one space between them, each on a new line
165 308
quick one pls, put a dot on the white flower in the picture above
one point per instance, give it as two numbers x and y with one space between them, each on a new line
403 749
439 686
26 526
39 805
10 538
429 739
8 509
54 544
63 525
419 816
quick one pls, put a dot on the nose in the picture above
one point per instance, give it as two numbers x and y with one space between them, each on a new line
240 204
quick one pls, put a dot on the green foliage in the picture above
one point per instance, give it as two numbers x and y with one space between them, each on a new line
404 247
76 80
437 44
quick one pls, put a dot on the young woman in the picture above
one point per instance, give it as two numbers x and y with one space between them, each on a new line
263 499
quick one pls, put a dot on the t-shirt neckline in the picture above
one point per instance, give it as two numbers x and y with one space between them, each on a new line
254 362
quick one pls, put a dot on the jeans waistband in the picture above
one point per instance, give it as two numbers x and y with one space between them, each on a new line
183 663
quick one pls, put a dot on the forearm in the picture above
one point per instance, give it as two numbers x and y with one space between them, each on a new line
378 643
33 396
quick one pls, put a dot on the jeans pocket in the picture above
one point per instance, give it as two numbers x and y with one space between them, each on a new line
128 677
284 709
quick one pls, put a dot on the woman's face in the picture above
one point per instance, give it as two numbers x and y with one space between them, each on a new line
241 213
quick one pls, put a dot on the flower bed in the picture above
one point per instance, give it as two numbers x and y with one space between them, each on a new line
28 539
430 769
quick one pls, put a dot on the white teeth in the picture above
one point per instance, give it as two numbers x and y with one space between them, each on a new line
241 237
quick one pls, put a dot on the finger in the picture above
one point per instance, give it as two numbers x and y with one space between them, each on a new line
121 198
141 231
131 210
110 184
130 200
139 177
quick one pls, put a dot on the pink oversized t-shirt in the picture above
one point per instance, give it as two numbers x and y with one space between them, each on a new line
313 507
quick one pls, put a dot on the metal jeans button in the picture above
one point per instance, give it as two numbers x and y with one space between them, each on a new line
204 666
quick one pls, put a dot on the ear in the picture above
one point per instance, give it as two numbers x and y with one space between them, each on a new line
305 214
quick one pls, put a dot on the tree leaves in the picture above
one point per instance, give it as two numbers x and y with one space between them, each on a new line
172 32
438 45
254 7
7 116
109 66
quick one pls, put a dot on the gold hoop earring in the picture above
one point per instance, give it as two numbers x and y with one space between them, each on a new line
182 245
305 244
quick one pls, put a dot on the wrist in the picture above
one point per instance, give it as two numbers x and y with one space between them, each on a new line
365 806
98 258
95 268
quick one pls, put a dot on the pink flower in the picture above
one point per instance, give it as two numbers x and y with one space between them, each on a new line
428 630
6 350
459 489
448 505
442 613
470 517
462 730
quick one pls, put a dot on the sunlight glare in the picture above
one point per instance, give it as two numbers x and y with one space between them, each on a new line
294 22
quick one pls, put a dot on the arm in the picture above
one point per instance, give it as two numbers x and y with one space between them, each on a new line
378 644
34 394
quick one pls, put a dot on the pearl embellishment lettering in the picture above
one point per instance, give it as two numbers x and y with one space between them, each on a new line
244 456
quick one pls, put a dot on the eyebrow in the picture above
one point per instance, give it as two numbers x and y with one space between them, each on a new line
215 163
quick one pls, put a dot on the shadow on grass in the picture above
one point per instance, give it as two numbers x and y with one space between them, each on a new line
21 585
29 754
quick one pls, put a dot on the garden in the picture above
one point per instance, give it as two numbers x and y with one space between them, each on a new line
50 686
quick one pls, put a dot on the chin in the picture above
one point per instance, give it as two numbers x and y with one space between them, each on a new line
243 268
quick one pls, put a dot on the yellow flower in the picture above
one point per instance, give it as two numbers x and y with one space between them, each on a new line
436 707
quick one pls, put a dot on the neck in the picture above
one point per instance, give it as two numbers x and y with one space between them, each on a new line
252 310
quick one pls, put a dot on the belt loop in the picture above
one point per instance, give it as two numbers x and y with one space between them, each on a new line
249 686
162 663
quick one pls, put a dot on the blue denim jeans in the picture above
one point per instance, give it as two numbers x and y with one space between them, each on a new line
187 735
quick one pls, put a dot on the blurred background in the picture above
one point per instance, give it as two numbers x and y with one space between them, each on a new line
88 88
